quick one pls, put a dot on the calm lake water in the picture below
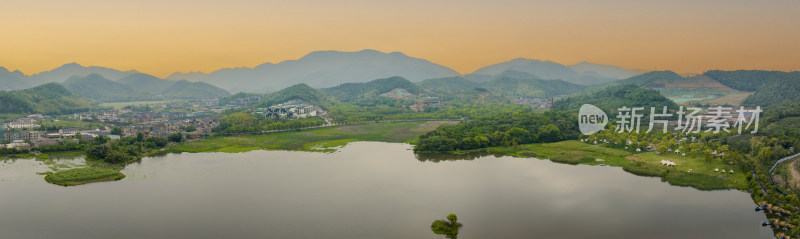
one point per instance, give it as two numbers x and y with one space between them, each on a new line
367 190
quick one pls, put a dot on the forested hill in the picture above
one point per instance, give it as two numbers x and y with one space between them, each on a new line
506 85
97 87
504 129
449 85
298 92
352 92
184 89
611 98
645 78
50 98
530 88
772 88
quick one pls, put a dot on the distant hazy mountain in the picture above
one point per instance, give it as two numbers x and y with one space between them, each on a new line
583 73
193 90
12 80
97 87
67 71
146 83
322 69
605 71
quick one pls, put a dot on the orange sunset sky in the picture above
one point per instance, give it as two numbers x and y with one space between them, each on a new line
160 37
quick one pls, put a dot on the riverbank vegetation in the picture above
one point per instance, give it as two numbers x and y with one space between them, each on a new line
78 176
503 129
692 171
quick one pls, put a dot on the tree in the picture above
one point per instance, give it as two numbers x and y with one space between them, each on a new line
176 137
101 139
549 133
448 228
662 148
158 141
116 131
190 128
98 152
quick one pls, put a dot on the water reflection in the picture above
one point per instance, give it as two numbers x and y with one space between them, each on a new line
367 190
439 157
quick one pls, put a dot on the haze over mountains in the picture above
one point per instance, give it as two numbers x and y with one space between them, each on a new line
583 73
323 69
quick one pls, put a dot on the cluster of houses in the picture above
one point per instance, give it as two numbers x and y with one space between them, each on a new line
24 139
127 116
293 109
26 122
202 125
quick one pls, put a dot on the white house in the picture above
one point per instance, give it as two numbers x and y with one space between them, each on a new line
21 124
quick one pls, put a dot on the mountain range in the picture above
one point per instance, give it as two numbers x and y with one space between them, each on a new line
139 87
51 98
583 73
12 80
324 69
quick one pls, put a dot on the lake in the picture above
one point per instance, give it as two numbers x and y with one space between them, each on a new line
366 190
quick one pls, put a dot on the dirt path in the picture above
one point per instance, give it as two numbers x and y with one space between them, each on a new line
795 174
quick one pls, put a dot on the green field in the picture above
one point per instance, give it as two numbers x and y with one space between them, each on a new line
702 175
119 105
78 176
317 140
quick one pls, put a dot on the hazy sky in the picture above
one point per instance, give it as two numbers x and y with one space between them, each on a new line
160 37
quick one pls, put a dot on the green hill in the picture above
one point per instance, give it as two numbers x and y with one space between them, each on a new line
511 85
193 90
771 88
746 80
369 91
297 92
531 88
49 98
649 77
99 88
611 98
450 85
